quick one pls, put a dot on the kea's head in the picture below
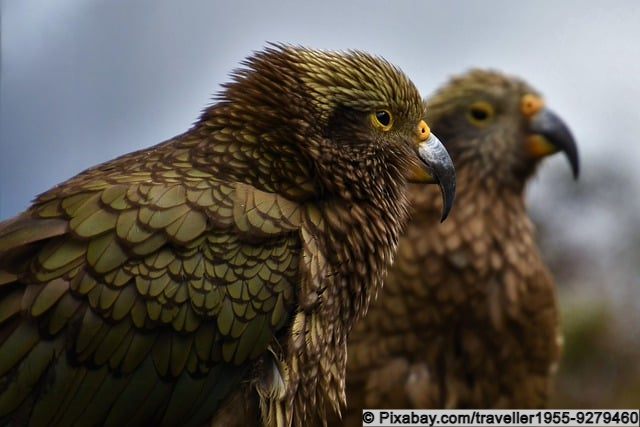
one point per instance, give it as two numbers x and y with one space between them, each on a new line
498 126
328 123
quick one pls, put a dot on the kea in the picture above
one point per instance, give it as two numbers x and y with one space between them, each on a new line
213 278
468 316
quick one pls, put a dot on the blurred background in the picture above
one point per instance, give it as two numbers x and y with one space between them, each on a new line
83 81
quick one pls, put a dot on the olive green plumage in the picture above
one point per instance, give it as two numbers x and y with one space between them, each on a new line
468 314
213 277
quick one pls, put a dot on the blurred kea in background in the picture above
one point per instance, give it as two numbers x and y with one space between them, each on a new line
468 316
213 278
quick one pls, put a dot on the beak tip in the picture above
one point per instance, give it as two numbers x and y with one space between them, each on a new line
448 190
571 153
575 168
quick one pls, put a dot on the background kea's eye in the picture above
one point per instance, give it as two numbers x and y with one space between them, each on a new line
480 113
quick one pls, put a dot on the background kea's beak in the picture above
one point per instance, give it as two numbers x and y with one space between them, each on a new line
549 135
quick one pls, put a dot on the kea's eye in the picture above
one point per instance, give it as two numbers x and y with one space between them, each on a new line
480 113
382 120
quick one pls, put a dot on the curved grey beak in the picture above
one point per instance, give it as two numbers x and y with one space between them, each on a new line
440 167
556 136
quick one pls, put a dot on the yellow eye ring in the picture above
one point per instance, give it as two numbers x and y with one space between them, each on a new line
480 113
382 119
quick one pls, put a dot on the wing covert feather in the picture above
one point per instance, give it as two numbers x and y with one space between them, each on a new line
150 282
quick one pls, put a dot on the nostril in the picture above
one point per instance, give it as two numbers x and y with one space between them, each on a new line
423 130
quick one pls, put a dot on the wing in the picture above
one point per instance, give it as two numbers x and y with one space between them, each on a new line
134 299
